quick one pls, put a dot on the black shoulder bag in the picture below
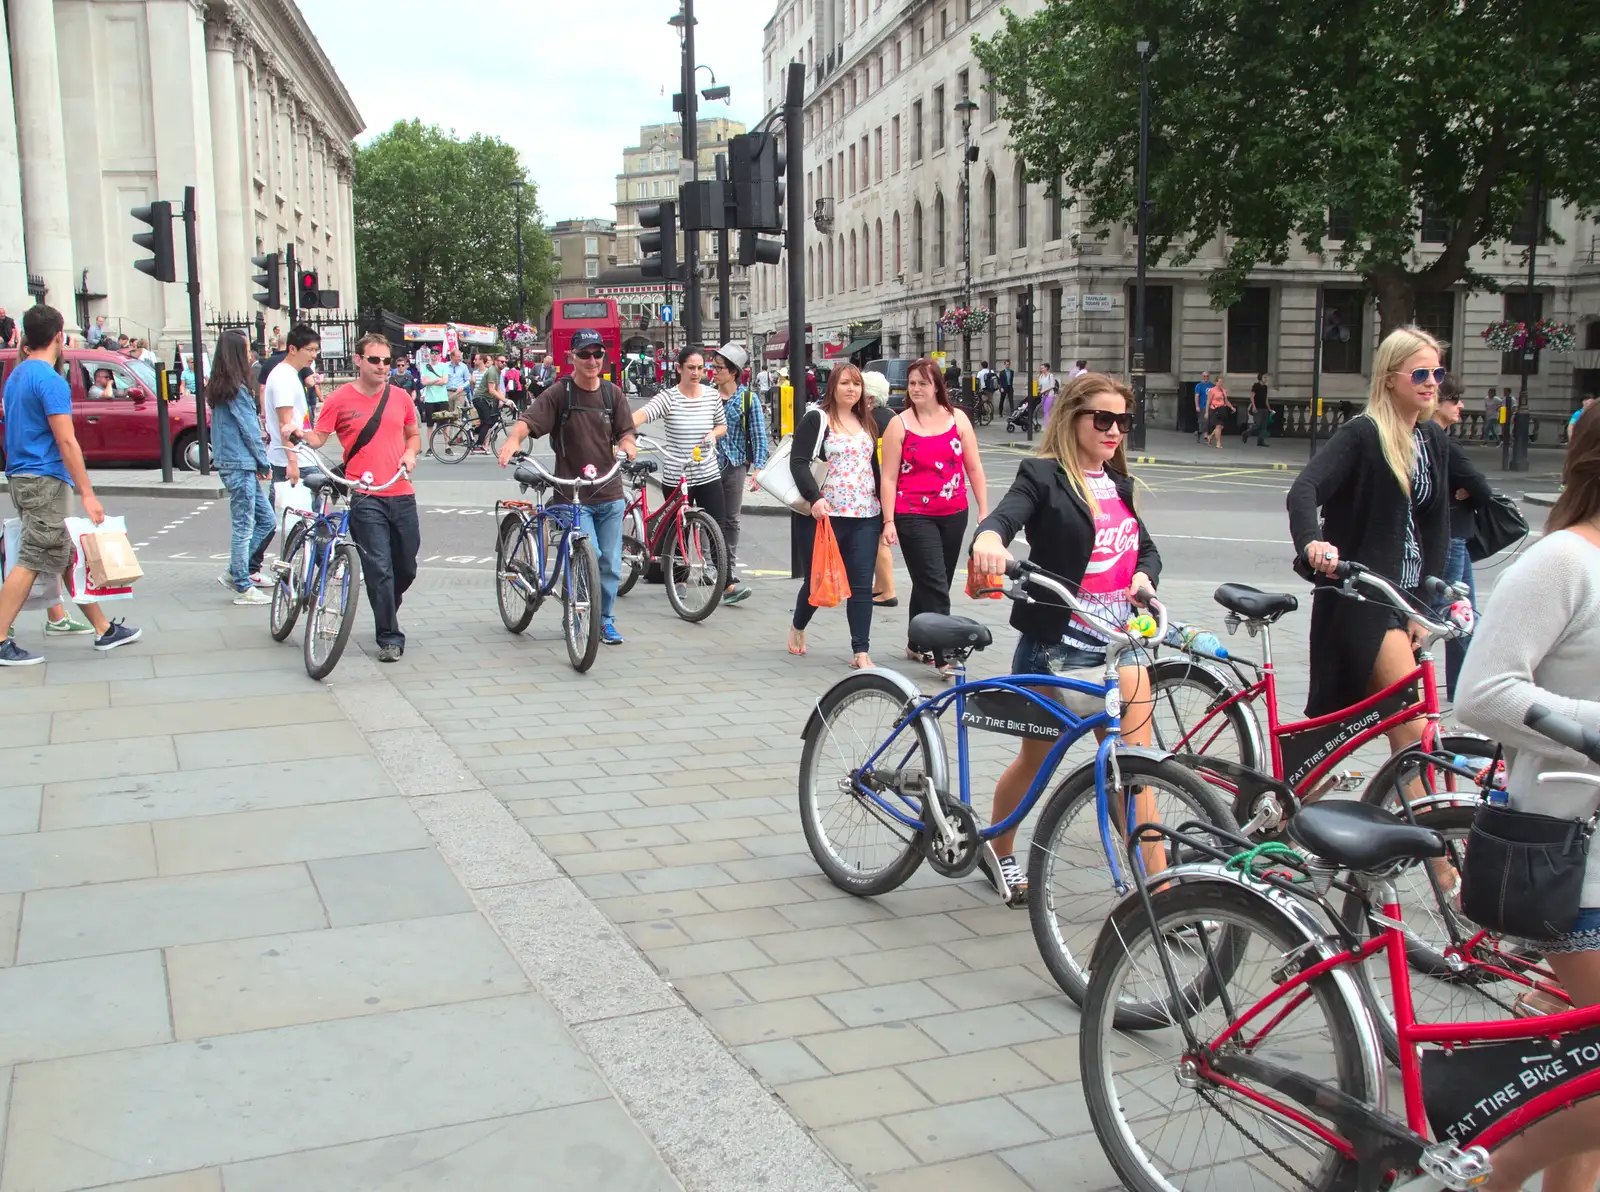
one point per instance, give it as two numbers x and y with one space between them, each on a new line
367 431
1495 526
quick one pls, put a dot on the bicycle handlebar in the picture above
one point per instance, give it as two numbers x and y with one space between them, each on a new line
527 461
1023 572
363 484
1351 574
1564 731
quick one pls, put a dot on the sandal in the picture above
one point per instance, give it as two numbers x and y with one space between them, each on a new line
801 635
857 664
926 658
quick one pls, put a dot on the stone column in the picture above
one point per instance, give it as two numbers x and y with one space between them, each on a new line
46 226
13 261
344 231
232 265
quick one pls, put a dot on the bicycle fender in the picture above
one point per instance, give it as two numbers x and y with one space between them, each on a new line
938 762
1314 934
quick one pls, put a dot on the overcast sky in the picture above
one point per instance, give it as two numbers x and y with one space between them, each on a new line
567 82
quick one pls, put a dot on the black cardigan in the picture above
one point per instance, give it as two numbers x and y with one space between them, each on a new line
812 423
1060 529
1364 515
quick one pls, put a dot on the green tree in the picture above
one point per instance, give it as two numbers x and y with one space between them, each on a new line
1268 115
436 227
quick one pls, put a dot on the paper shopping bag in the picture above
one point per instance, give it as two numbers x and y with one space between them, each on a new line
829 584
110 559
81 585
286 497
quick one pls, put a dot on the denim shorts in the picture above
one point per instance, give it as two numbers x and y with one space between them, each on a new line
1034 656
1582 936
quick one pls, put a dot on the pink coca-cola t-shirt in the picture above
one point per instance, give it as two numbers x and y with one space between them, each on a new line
1112 564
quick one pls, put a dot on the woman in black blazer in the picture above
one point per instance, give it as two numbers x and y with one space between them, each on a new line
1076 503
1383 485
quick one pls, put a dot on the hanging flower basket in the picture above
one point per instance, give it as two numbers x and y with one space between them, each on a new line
1546 335
520 335
964 320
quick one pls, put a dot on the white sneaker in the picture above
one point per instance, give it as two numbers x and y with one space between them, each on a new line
252 596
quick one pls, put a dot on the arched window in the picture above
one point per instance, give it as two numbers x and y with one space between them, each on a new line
896 233
866 256
938 231
1054 199
877 251
991 221
853 275
916 238
830 267
811 273
1021 185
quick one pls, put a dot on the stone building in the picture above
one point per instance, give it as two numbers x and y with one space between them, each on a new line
106 105
582 249
650 175
883 141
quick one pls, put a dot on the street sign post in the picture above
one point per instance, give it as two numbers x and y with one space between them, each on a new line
666 313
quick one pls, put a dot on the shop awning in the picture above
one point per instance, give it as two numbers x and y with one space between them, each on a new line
778 344
857 345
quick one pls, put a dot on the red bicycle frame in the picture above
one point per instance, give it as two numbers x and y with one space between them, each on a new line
670 511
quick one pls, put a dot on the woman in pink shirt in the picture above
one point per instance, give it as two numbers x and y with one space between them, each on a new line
930 463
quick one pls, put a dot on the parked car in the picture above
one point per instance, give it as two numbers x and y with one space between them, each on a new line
118 423
896 369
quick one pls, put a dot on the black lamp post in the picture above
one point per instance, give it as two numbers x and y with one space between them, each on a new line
516 185
966 107
1139 330
1519 422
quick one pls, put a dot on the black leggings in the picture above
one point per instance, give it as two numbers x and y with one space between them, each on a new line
932 548
858 546
487 415
709 496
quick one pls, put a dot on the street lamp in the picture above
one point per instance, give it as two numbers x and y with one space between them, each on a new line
516 184
1518 427
1139 329
968 155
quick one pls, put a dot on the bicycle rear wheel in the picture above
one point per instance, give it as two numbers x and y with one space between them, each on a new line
1070 892
287 597
518 587
332 610
580 613
695 568
859 846
1162 1121
1183 694
450 442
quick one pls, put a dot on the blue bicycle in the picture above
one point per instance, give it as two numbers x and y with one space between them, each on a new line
319 569
877 797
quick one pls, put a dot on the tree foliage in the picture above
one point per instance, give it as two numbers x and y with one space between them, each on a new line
1268 114
436 227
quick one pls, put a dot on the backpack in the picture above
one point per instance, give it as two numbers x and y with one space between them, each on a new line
607 390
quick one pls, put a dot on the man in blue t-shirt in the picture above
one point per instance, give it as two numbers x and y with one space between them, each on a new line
43 463
1202 395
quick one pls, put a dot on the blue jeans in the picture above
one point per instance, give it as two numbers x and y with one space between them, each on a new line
603 523
389 537
1457 569
253 523
858 547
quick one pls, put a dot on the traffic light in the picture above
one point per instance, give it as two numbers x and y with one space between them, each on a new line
163 265
660 245
755 168
753 250
1025 318
271 285
310 293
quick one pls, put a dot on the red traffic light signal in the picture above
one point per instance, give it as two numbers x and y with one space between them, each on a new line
310 293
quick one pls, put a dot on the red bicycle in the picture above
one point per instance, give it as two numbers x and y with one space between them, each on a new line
675 543
1224 1043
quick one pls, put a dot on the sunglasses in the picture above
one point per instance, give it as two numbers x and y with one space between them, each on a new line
1420 375
591 354
1454 401
378 359
1104 420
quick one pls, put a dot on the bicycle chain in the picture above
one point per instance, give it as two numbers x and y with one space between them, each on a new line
1208 1097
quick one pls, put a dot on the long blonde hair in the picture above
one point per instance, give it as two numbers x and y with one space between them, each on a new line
1060 439
1399 447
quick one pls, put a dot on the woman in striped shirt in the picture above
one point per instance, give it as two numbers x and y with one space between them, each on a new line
692 416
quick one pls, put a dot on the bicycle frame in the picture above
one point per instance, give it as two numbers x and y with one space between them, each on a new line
319 555
670 511
534 516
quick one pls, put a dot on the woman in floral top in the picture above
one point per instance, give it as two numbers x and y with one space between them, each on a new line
848 497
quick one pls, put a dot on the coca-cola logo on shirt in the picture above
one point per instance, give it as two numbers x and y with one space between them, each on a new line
1117 540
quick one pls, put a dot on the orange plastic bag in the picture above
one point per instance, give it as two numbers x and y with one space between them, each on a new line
829 585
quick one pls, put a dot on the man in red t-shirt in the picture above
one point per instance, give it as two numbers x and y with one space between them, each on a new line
384 524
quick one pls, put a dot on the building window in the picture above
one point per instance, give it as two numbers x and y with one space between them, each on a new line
829 286
639 190
811 273
1021 185
897 58
938 231
1052 354
1057 206
1435 228
591 268
1436 314
916 238
854 99
829 187
944 23
938 118
1341 224
922 40
963 84
1157 328
991 215
1342 324
852 169
866 157
895 232
877 251
591 245
842 260
1248 324
1521 307
877 154
894 144
916 131
991 100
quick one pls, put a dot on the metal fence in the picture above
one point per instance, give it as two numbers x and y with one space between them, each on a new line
339 330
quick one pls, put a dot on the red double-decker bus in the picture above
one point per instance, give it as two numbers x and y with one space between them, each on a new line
570 315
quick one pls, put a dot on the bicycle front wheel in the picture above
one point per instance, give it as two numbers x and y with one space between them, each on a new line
517 587
1070 891
859 846
580 614
1162 1121
332 610
450 442
694 563
287 597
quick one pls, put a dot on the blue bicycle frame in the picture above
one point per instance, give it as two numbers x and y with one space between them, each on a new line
564 514
1073 728
324 532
